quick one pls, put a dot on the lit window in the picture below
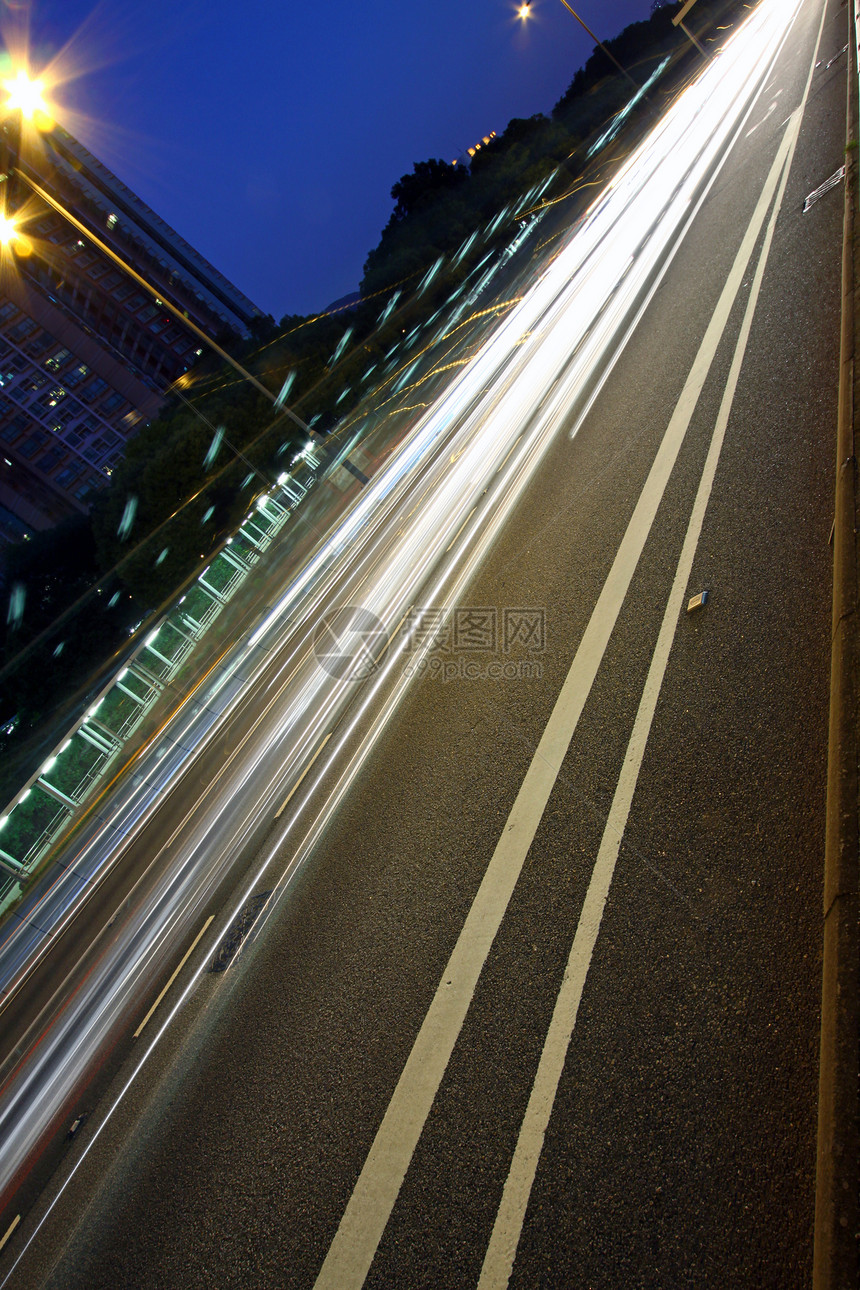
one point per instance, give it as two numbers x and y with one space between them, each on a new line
76 375
56 361
111 221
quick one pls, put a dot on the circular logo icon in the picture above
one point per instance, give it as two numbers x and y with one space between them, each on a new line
349 642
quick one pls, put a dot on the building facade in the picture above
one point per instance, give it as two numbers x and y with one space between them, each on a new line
86 353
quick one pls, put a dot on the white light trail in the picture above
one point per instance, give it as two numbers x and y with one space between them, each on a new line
470 455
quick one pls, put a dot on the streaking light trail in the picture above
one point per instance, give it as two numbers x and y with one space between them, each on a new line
414 535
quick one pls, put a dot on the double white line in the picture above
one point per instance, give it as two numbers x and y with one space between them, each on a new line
357 1238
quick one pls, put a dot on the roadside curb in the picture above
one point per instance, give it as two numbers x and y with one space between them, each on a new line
837 1192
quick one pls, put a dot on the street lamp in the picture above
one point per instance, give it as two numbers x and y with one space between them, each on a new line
524 11
11 237
27 97
26 102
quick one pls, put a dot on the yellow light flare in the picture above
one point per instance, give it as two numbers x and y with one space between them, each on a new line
11 237
524 11
27 97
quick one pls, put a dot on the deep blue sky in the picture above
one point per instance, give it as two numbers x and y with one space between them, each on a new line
269 132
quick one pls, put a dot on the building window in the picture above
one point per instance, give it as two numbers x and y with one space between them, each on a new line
111 220
31 446
22 329
7 311
76 375
51 459
111 404
37 345
56 361
9 433
93 389
68 476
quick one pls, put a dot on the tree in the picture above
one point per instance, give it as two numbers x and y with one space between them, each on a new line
428 179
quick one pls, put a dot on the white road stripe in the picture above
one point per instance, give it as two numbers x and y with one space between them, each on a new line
363 1222
501 1252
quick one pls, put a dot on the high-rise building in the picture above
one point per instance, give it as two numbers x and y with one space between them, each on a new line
85 351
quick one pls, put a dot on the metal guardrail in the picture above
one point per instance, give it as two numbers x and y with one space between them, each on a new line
142 681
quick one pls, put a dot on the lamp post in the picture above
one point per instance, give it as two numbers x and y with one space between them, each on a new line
25 102
525 10
677 21
607 52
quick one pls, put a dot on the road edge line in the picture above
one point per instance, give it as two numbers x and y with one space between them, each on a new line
837 1203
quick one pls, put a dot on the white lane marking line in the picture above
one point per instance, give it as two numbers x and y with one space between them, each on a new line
186 956
364 1219
295 786
10 1229
510 450
507 1229
460 530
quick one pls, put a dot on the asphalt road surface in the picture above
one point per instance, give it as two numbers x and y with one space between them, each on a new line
541 1007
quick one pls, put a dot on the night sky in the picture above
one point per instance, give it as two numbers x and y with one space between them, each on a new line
269 132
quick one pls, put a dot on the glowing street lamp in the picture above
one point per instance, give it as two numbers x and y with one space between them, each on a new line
26 102
11 237
27 97
524 11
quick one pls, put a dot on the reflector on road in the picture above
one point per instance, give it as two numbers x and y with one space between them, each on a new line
697 602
